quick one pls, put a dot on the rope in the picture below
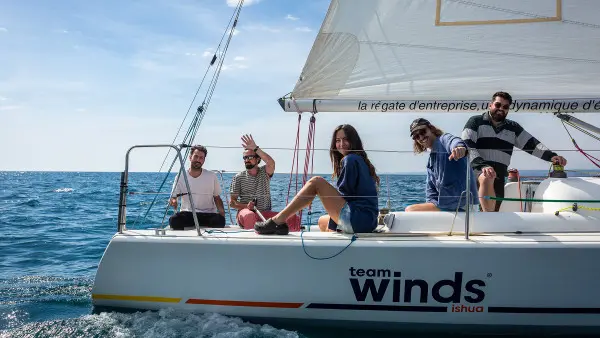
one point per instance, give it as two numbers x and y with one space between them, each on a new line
201 111
310 142
574 208
588 156
294 159
325 258
539 200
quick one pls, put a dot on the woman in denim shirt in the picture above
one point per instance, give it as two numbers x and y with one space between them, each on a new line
446 168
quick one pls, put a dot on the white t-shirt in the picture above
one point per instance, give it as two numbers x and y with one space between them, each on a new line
204 188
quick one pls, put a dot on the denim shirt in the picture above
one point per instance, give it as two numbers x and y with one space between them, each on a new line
446 179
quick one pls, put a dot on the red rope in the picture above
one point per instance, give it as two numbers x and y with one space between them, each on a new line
310 144
588 156
294 160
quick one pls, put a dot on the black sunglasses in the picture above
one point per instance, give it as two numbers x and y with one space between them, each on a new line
418 133
498 105
249 157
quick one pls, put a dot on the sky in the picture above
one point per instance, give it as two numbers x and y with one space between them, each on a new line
81 82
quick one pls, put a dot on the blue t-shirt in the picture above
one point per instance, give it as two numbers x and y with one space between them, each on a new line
358 188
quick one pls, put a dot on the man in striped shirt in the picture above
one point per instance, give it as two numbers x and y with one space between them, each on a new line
491 138
253 184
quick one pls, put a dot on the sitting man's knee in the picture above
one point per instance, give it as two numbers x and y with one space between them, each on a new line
409 208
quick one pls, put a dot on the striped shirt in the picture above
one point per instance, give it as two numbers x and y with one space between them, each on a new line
493 146
248 187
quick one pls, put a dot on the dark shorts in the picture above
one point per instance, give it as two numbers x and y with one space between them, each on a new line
499 183
182 219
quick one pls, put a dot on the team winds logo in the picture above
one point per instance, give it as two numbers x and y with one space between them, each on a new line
380 283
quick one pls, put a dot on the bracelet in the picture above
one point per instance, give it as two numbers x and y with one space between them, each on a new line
256 149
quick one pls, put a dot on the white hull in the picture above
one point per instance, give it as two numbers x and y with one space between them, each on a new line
508 279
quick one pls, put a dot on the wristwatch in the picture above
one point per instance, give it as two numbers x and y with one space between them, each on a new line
255 149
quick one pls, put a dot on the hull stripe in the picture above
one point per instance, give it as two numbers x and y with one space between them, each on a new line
137 298
404 308
243 303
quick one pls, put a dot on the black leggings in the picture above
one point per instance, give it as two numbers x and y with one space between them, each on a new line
183 219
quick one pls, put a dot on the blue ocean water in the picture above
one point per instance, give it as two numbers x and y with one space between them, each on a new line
55 227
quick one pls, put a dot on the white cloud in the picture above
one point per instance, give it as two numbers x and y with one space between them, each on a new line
2 29
239 58
190 54
235 32
2 98
13 107
303 29
234 3
291 17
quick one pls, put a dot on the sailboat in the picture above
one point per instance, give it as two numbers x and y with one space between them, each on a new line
506 271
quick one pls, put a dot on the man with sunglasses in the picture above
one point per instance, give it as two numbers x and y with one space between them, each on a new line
253 184
491 138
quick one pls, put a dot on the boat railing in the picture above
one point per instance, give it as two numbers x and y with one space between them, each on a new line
122 216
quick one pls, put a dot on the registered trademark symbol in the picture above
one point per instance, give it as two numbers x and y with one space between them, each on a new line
489 275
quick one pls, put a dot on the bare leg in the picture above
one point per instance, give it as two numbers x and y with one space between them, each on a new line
422 207
324 223
486 188
316 186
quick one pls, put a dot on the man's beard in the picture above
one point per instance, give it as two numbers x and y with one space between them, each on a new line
497 116
196 165
249 165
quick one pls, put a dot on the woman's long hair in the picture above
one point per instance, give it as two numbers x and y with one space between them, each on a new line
356 147
418 147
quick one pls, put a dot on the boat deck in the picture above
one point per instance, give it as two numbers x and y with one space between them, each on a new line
235 233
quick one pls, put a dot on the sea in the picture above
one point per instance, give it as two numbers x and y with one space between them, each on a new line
54 227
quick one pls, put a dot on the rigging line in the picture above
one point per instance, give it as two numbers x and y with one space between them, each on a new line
583 131
370 150
199 87
213 84
214 81
200 112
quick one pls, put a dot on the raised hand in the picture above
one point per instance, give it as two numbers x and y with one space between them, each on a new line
248 142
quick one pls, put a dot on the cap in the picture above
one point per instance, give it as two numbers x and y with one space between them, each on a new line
417 124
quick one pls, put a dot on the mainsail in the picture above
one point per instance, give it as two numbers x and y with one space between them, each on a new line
452 55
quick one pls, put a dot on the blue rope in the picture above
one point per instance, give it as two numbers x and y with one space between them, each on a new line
325 258
227 232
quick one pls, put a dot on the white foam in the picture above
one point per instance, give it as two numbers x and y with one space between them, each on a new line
64 190
164 324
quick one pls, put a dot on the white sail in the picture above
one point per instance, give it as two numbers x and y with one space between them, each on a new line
544 52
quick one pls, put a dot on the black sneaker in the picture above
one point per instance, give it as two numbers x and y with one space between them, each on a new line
271 228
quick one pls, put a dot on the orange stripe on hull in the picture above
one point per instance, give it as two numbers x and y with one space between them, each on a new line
241 303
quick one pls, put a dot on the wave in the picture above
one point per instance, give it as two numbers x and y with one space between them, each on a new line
163 323
34 202
63 190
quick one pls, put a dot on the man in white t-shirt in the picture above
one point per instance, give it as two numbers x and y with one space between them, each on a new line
206 191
